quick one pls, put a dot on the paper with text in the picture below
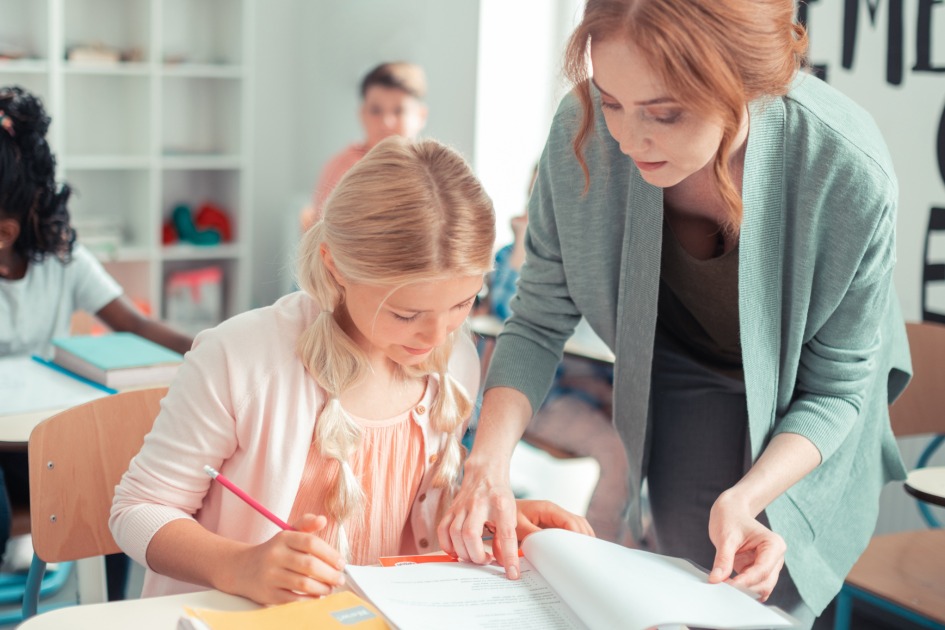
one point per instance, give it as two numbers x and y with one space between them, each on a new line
463 596
27 385
569 581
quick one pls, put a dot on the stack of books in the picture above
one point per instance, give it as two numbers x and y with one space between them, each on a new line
117 360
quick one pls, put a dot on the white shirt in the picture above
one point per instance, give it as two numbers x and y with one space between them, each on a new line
39 306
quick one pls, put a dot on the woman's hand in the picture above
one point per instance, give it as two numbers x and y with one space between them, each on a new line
536 515
745 546
485 499
484 503
290 566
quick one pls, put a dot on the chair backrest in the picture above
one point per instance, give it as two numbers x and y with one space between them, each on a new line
921 407
76 459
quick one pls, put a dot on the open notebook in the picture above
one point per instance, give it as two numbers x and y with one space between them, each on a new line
28 385
568 581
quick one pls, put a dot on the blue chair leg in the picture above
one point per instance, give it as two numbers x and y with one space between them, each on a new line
33 581
843 610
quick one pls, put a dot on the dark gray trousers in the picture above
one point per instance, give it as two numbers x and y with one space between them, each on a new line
698 448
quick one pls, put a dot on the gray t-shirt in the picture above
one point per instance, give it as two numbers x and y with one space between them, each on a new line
39 306
698 304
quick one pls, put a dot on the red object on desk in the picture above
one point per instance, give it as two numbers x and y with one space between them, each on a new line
395 561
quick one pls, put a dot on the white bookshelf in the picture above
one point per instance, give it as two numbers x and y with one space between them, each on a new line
136 138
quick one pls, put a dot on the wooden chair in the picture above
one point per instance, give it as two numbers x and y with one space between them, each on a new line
76 458
904 573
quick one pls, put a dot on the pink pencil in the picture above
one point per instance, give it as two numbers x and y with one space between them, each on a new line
253 503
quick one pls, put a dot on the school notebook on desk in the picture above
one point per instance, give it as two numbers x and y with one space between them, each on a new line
568 581
29 385
340 610
117 359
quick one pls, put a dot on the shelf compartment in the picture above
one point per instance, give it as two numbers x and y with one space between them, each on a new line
23 29
106 162
202 71
200 117
108 201
198 187
202 32
23 66
123 68
118 124
202 162
222 296
187 252
122 25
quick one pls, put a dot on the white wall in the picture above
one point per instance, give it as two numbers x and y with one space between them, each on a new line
277 112
311 57
520 83
908 114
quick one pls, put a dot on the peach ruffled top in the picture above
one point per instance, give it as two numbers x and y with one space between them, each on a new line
389 466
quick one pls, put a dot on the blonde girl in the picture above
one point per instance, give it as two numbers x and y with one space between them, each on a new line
340 406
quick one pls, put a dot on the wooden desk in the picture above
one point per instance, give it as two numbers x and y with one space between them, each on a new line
141 614
927 484
584 343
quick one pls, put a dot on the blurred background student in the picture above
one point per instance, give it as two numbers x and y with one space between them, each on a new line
391 105
45 277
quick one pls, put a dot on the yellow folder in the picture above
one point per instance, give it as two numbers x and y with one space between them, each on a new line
339 610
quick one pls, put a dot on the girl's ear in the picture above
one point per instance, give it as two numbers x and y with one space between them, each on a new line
9 232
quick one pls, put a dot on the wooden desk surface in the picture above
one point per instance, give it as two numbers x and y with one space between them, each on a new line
927 484
141 614
15 428
584 343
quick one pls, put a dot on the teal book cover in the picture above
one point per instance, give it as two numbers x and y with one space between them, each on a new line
116 351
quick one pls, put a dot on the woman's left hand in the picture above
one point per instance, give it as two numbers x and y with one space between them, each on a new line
535 515
532 516
745 546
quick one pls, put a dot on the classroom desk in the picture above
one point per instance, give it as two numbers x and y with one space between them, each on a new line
29 382
584 343
927 484
31 392
15 428
157 613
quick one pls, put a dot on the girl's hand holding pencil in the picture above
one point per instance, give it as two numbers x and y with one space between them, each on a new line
293 565
290 566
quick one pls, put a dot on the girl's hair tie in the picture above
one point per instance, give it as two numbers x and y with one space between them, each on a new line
6 123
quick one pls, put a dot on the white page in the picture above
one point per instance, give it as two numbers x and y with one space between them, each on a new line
463 596
26 385
610 586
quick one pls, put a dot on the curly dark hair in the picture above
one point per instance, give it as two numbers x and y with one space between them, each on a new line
28 189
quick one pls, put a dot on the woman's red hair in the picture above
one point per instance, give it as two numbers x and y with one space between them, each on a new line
713 56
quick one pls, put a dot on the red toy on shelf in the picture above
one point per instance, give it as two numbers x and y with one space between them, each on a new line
212 216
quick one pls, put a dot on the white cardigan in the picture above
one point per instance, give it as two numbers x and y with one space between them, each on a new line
244 404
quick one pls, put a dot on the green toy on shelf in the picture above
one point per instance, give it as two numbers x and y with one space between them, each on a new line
188 231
